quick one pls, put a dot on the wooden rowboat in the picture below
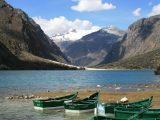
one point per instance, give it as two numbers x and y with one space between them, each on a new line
106 118
128 112
53 103
84 105
110 118
104 108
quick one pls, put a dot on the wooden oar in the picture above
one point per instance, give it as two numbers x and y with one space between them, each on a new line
135 115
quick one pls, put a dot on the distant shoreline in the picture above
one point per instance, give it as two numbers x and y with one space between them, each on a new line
87 68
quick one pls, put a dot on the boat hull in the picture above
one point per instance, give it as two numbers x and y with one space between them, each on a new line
49 108
84 105
79 111
109 107
52 103
79 107
110 118
126 113
106 118
44 105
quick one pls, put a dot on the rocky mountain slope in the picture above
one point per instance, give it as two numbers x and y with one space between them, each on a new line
9 61
24 39
92 48
146 61
142 36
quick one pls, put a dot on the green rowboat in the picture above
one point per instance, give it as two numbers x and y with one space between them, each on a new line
53 103
106 118
128 112
110 118
104 108
84 105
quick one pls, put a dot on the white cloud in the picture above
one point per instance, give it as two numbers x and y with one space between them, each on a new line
91 5
62 25
136 12
150 3
155 11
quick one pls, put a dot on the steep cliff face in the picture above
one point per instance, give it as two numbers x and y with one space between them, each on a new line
91 49
142 36
21 35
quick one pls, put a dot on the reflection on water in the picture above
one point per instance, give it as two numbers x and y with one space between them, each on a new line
23 109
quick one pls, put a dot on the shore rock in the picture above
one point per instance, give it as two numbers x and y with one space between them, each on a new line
118 88
139 89
115 84
8 98
124 99
26 97
98 86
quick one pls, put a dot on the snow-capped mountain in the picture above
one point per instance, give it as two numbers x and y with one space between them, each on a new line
91 49
71 35
63 40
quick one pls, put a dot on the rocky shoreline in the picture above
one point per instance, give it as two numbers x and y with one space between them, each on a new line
22 97
115 87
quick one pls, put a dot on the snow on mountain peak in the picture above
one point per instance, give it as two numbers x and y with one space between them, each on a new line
62 40
114 30
58 34
111 27
72 30
72 35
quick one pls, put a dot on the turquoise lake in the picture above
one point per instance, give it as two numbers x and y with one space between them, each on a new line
30 82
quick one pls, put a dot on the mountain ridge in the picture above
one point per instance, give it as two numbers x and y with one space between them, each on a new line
64 40
22 36
142 36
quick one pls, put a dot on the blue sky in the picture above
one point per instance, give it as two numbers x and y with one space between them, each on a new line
58 16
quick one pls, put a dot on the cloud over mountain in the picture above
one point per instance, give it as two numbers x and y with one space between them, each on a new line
155 10
91 5
62 25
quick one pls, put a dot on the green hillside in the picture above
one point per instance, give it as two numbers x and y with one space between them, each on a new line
147 61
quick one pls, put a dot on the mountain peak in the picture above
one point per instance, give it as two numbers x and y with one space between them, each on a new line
72 30
111 27
114 30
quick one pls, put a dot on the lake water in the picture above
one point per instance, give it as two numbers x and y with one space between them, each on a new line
30 82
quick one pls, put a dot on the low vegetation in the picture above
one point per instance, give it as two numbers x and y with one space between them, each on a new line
157 72
147 61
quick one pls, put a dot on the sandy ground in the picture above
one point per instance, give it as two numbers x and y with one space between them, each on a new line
106 97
